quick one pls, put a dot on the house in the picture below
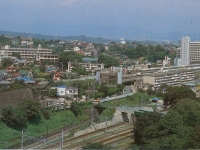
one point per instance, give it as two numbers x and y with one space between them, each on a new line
4 75
20 62
71 92
61 92
11 69
64 91
26 80
15 75
76 49
90 47
5 84
57 76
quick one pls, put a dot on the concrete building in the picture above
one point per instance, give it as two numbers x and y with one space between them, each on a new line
189 53
92 66
76 49
173 78
30 53
194 52
185 51
64 91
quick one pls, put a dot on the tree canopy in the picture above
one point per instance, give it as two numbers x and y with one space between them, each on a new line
71 56
108 61
179 129
173 94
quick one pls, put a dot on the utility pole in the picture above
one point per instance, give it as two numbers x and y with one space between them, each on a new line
77 93
47 133
88 91
62 140
115 93
66 124
141 101
91 115
22 139
106 123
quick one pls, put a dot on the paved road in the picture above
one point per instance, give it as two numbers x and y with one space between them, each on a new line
82 78
115 97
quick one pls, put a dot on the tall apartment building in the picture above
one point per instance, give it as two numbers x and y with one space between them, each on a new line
189 53
185 51
194 52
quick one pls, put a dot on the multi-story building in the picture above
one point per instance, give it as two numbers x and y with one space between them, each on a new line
92 67
194 52
173 78
188 54
185 51
31 54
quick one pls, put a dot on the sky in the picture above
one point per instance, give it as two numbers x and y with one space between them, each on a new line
129 19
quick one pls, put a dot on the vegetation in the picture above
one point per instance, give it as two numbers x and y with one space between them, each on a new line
108 61
28 110
133 100
54 121
65 57
6 62
176 130
16 54
173 94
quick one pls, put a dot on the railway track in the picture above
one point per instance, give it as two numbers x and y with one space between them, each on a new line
105 138
53 137
80 138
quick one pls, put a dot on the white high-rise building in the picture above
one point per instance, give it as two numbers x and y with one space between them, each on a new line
185 50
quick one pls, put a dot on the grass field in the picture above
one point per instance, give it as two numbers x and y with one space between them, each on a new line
57 120
133 100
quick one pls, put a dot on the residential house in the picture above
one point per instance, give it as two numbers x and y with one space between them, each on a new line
71 92
57 76
5 84
64 91
90 47
4 75
11 69
26 80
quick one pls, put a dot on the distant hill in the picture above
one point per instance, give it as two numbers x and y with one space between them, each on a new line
65 38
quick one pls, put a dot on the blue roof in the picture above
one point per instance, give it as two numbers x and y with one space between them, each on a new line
89 59
155 99
24 79
49 69
62 86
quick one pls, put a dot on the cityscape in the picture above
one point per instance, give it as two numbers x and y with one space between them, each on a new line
99 75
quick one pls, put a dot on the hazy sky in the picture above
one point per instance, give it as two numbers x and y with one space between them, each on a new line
130 19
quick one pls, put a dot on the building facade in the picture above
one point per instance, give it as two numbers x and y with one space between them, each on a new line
31 53
194 52
185 51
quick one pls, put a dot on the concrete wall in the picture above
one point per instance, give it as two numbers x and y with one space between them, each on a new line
149 80
98 126
116 119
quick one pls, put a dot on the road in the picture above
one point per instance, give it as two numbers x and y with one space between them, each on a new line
82 78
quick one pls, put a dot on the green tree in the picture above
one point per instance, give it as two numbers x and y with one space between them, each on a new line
71 56
173 94
6 62
32 108
108 61
76 109
146 127
16 54
189 109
